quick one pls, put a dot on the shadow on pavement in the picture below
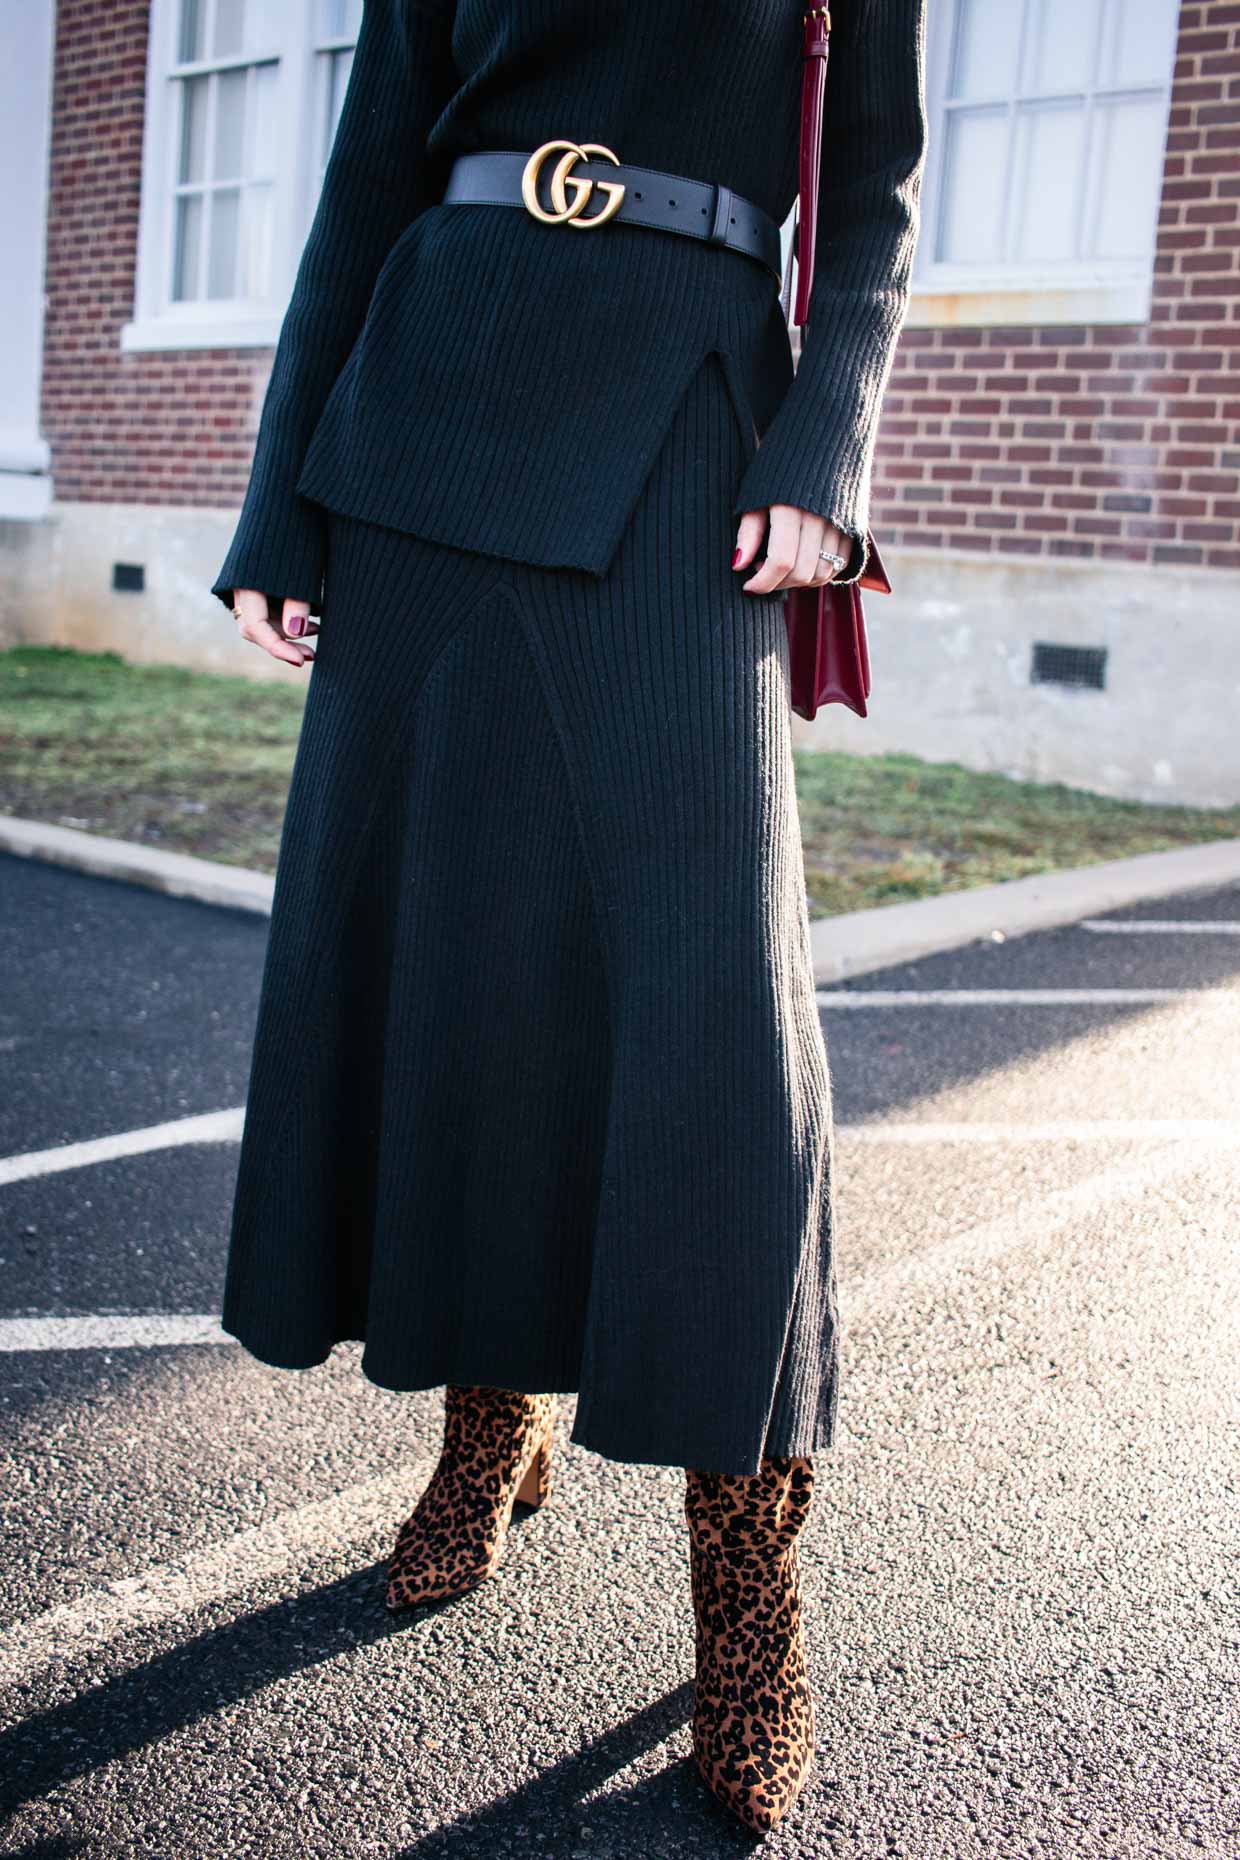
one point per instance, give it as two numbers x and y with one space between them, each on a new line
649 1817
227 1664
186 1684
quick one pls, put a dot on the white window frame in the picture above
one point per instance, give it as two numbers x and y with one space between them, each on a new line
947 295
160 323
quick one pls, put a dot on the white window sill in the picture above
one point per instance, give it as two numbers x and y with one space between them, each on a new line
254 331
23 450
25 497
956 302
25 475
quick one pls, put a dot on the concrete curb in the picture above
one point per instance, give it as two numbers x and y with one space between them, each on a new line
852 944
181 874
859 941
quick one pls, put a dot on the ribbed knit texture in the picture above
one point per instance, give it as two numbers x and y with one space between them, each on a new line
539 1097
471 376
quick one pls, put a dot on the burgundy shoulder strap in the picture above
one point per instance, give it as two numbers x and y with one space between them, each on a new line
814 44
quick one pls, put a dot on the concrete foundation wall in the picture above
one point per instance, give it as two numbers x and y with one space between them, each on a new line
951 648
951 652
56 587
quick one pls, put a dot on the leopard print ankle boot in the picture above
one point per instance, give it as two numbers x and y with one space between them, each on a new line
496 1452
753 1718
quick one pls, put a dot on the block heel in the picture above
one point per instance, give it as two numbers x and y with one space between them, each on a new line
535 1488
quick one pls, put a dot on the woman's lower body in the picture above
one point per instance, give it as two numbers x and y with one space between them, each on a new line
539 1098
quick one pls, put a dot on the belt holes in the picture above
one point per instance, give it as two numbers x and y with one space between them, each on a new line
637 196
671 203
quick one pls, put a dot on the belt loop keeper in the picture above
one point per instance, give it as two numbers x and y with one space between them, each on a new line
722 214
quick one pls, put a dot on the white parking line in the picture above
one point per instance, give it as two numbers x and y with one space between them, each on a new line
286 1543
1031 1226
1014 997
225 1127
1052 1130
97 1332
155 1330
1161 926
209 1127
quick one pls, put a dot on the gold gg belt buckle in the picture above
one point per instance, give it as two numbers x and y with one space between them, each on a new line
568 213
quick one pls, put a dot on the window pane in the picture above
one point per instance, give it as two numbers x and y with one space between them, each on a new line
229 28
187 258
256 211
1063 38
225 230
339 65
229 162
987 40
973 169
1140 42
339 19
245 26
264 126
191 39
1050 146
1127 180
192 163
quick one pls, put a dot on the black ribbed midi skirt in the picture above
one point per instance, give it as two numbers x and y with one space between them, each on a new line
539 1097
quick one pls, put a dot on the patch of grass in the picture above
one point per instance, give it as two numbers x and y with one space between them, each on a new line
200 762
195 761
880 829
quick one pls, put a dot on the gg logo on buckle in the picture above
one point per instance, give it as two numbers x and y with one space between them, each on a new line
568 213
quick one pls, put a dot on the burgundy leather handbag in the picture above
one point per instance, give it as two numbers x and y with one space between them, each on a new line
829 656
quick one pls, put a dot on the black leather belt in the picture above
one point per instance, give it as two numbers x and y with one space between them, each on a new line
583 186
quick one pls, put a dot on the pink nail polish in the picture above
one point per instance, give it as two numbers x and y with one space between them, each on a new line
736 559
296 624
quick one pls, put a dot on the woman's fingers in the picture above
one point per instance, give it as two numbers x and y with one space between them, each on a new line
252 611
795 544
297 621
782 540
749 534
808 560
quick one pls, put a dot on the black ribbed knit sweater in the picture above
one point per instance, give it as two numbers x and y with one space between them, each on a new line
478 378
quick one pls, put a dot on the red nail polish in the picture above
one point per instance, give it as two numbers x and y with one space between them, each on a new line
295 623
736 559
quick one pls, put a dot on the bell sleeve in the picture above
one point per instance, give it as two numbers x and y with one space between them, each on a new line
817 451
379 177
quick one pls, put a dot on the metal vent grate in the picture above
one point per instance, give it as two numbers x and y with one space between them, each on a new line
1083 667
128 577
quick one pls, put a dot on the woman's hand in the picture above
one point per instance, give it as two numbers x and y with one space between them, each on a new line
279 627
792 550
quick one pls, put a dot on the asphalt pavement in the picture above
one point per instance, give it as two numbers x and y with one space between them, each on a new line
1021 1571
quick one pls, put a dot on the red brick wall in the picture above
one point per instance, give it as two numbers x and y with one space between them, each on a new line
165 429
1105 441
